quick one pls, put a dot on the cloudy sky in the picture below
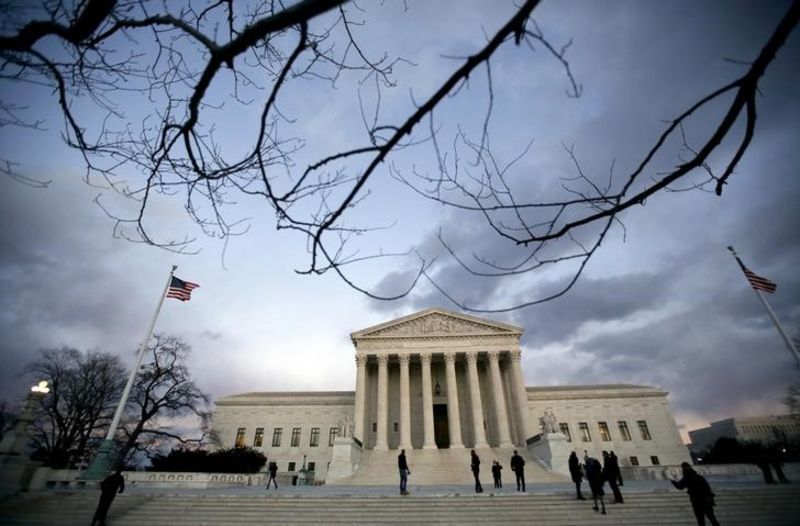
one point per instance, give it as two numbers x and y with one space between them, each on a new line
662 303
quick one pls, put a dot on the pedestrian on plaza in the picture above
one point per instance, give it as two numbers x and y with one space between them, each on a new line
518 467
109 488
496 469
776 462
700 494
576 474
402 466
475 466
594 474
273 470
615 460
610 474
763 464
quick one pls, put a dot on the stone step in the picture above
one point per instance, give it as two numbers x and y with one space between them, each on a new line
776 506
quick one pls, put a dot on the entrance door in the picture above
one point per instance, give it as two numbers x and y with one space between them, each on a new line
441 431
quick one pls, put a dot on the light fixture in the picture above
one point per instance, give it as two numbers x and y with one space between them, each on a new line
41 387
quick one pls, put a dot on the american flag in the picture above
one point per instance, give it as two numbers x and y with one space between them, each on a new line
759 283
181 290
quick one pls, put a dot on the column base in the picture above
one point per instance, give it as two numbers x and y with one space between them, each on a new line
381 447
456 446
407 447
481 445
430 446
506 445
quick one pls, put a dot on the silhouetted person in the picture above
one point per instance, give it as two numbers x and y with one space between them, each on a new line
615 460
610 474
273 470
108 490
776 462
576 474
700 494
402 466
763 464
475 466
518 467
496 469
594 474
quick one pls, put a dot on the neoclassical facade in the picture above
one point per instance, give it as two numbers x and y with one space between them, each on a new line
438 380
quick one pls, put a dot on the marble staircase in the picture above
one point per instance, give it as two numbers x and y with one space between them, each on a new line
442 466
776 506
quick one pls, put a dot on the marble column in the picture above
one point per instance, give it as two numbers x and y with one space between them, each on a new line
361 375
499 400
520 397
383 401
453 414
475 398
427 403
405 404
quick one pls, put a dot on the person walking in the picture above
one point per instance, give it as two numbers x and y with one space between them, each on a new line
594 475
111 485
475 466
615 460
402 466
273 470
610 474
496 469
776 461
518 467
700 494
576 474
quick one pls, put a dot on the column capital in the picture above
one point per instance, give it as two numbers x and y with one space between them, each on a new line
404 359
425 357
450 356
494 356
383 359
472 357
361 360
516 355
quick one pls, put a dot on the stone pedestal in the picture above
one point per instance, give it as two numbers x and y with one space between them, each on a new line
345 458
553 449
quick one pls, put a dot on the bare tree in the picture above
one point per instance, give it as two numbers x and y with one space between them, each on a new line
180 57
84 389
163 394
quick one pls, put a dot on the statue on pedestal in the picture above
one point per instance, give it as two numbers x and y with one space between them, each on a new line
549 423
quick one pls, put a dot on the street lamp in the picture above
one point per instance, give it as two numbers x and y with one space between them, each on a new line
13 460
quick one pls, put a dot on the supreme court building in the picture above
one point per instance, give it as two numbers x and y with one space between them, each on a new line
437 382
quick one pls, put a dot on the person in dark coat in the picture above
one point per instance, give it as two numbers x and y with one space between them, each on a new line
273 470
576 474
475 466
594 474
496 469
402 466
109 488
615 460
518 467
776 462
610 474
700 494
763 464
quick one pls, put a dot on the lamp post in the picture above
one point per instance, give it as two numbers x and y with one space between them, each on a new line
15 466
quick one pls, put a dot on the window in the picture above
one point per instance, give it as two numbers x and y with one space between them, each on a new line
239 437
634 461
654 460
585 435
276 437
396 428
643 430
332 435
314 441
564 428
605 434
624 431
259 438
295 436
291 466
374 427
312 466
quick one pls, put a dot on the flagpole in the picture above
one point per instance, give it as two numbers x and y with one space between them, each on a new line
101 463
772 315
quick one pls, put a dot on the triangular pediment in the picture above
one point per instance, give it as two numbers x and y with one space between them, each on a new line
436 322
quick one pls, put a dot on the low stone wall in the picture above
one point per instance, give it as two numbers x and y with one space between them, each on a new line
46 478
742 472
